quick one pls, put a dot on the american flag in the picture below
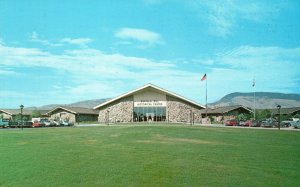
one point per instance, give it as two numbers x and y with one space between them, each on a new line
204 77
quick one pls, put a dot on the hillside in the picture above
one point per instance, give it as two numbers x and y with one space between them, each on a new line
263 100
84 104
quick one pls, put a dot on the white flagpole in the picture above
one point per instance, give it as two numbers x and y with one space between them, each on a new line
206 97
253 85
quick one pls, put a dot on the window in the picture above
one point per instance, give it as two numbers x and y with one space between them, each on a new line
149 114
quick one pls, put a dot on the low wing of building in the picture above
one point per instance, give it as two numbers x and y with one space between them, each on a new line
12 114
228 112
73 114
286 111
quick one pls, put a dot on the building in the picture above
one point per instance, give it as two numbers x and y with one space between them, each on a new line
73 114
150 103
221 114
15 114
286 111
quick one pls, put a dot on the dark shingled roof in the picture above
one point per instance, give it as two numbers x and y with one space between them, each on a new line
16 111
225 109
285 110
76 110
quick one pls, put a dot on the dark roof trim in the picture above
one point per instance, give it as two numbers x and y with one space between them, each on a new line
147 86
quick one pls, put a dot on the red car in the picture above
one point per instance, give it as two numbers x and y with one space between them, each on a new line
231 122
247 123
35 124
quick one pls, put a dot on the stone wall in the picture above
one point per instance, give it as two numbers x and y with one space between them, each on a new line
63 115
117 111
5 115
181 111
221 118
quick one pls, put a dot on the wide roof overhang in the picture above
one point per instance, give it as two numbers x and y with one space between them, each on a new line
149 87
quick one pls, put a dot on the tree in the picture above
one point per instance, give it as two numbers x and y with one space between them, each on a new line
264 114
35 114
242 117
285 117
297 116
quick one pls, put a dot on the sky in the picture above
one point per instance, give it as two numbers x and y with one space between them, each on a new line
60 52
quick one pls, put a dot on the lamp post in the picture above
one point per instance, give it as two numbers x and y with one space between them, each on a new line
168 117
278 107
21 107
191 121
108 117
193 117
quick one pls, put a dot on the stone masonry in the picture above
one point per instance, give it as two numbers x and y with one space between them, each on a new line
63 115
118 111
181 111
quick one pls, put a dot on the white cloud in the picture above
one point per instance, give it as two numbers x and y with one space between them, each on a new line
82 42
7 72
92 73
275 69
77 41
222 16
141 35
35 38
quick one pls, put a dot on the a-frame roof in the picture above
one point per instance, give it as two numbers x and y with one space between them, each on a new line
285 110
16 111
226 109
156 88
75 110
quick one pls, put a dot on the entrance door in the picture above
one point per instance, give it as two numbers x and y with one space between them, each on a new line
141 114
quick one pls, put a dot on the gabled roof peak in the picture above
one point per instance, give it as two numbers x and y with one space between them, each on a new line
147 86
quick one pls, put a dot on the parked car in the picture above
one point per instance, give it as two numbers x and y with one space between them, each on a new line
4 123
289 122
54 123
241 123
270 122
231 122
255 123
35 124
44 123
65 123
247 123
26 124
13 124
296 124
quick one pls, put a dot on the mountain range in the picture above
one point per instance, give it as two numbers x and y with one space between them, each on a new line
85 104
263 100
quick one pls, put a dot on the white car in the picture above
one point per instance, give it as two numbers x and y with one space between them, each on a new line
290 122
296 124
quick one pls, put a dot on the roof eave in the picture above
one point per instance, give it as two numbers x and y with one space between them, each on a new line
143 87
61 108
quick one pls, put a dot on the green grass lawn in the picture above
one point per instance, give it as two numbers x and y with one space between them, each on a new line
149 156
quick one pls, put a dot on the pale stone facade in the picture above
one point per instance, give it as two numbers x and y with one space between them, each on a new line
64 115
14 114
180 111
73 117
150 104
177 111
118 111
5 115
